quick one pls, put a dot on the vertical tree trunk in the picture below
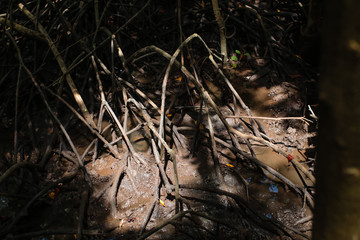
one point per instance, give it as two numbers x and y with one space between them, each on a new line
337 209
221 24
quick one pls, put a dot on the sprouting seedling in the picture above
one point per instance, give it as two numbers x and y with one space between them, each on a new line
237 57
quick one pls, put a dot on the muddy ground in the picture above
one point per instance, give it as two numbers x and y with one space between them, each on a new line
235 159
234 198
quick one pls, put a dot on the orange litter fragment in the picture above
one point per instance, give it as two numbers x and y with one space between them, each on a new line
51 195
178 78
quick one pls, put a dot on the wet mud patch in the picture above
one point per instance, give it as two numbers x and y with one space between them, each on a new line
123 142
227 197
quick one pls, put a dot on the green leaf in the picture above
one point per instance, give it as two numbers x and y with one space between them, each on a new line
238 52
247 54
234 58
234 65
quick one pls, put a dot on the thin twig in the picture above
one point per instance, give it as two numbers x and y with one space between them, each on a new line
163 224
163 142
270 118
81 165
62 65
93 131
82 211
16 166
156 200
24 210
163 175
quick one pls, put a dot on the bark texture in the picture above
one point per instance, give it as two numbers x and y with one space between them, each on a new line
337 203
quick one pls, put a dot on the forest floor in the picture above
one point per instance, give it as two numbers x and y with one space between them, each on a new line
106 135
264 199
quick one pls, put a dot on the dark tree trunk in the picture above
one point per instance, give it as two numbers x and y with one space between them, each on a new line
337 210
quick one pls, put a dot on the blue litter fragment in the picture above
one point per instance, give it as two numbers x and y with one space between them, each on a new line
268 215
248 179
273 188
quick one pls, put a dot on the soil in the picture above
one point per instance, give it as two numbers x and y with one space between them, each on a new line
127 198
248 178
